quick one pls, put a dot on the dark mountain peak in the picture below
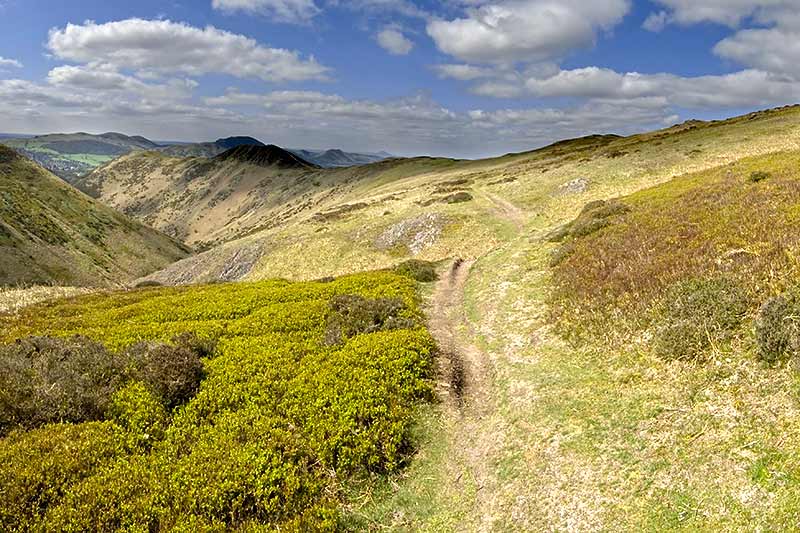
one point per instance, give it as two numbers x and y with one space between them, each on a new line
335 152
233 142
143 140
265 156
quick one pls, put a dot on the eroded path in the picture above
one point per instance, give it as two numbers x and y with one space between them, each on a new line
471 488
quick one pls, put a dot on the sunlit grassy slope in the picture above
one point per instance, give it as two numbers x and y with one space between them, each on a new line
283 422
50 232
370 216
586 427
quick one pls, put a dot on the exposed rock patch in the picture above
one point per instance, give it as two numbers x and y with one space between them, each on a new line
416 233
576 186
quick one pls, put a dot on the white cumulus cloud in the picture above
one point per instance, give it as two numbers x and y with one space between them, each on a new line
525 30
394 42
726 12
171 47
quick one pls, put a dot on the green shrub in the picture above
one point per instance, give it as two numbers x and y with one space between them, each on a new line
696 313
353 315
127 494
422 271
40 466
140 415
777 329
759 175
45 380
280 421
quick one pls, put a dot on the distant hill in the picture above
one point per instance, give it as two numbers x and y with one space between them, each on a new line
266 156
52 233
323 158
75 154
338 158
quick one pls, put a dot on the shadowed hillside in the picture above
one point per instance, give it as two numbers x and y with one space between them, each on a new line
51 233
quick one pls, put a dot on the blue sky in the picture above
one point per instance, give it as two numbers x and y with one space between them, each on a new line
465 78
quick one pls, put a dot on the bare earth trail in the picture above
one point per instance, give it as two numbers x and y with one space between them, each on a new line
505 468
477 427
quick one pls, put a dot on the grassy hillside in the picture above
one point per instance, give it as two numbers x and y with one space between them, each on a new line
211 201
617 323
640 373
736 222
307 391
51 233
371 216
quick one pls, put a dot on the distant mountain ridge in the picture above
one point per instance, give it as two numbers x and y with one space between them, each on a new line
209 149
335 158
73 155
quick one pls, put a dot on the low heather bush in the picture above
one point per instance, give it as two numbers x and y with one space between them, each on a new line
172 371
353 315
51 379
422 271
777 329
696 313
44 380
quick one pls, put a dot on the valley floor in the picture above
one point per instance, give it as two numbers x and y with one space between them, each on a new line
550 437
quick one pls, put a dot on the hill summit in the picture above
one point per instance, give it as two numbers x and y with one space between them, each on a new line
265 156
232 142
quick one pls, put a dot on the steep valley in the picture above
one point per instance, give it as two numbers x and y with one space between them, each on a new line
52 233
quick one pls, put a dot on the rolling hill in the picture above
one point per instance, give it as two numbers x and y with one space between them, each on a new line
72 155
209 201
52 233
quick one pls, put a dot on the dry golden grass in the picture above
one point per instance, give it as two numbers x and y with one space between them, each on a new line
14 299
713 223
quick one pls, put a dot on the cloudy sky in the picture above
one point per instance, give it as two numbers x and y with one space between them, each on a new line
465 78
